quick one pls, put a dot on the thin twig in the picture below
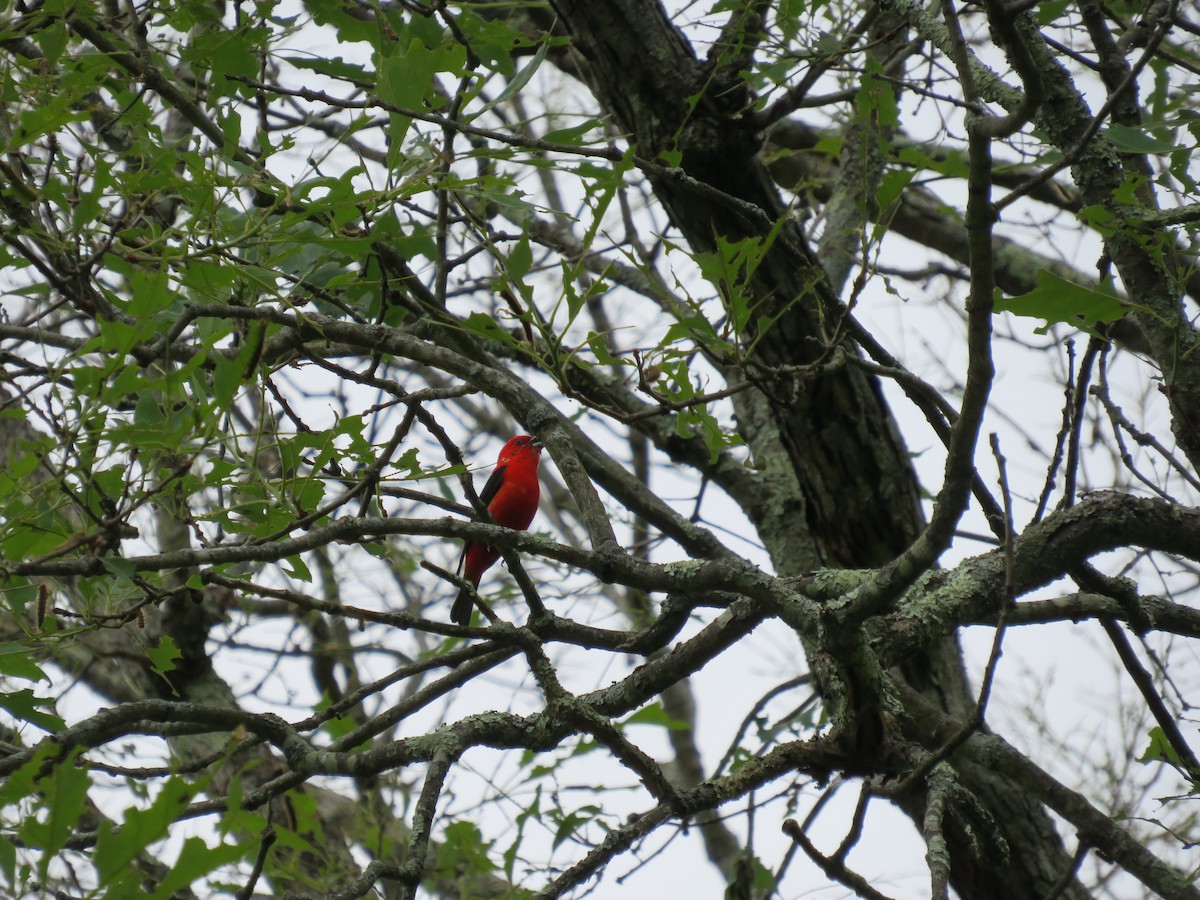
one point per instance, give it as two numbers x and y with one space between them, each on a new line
246 891
833 868
1145 685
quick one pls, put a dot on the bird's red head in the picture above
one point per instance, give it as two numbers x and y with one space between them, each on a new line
521 446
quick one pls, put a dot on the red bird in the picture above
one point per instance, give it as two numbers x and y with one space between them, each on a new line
511 495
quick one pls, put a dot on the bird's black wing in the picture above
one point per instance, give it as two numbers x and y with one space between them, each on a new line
493 484
489 491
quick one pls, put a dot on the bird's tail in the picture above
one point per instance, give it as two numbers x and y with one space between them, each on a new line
460 612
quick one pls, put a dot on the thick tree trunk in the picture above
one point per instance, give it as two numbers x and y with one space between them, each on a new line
847 481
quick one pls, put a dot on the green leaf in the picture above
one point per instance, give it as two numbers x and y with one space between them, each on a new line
464 851
23 783
349 28
405 79
891 186
230 374
337 726
115 337
38 121
1159 749
599 347
485 326
117 848
147 411
876 98
1057 300
715 437
15 662
8 862
573 135
654 714
53 40
224 52
25 705
761 879
572 822
307 822
119 566
297 570
517 83
788 16
20 595
1049 10
149 292
730 266
163 657
198 859
230 121
1137 140
209 281
235 818
1100 219
532 810
520 259
65 796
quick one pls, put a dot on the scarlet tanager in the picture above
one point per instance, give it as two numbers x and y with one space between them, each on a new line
511 495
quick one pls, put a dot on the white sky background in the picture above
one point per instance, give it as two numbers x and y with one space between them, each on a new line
1063 676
